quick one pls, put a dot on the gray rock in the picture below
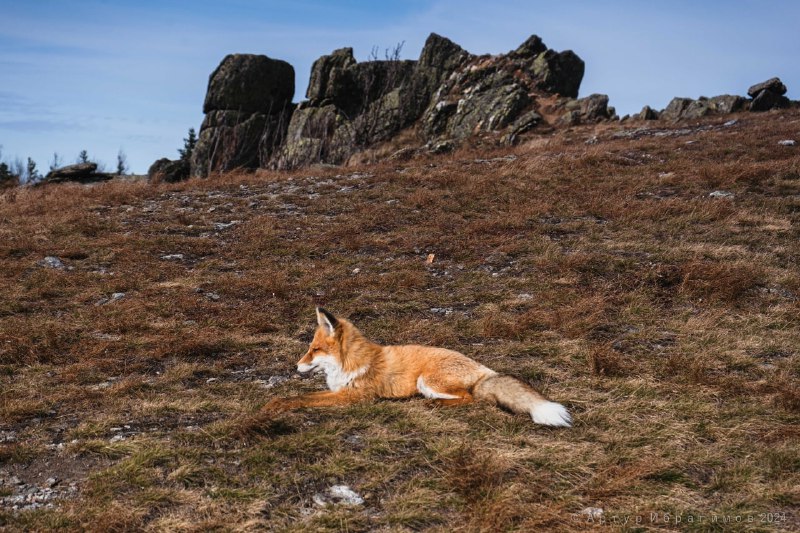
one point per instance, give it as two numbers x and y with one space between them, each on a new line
559 72
52 261
81 172
773 85
489 110
169 171
442 54
766 100
676 108
250 84
231 139
595 108
727 103
532 47
647 113
788 142
247 106
324 68
720 194
442 147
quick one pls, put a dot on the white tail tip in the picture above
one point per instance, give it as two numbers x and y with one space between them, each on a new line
551 414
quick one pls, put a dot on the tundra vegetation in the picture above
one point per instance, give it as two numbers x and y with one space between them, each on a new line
649 281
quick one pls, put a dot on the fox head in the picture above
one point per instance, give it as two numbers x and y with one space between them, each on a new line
325 348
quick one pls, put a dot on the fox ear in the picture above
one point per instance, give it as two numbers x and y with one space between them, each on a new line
326 320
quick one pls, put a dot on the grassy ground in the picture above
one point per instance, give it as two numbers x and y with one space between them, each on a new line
604 274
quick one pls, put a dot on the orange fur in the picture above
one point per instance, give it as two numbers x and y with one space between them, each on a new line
358 369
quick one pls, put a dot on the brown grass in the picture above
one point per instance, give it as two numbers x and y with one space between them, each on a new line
665 319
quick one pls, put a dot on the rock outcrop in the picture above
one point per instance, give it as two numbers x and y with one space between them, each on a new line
350 105
451 93
447 95
247 107
80 173
764 96
690 109
591 109
500 93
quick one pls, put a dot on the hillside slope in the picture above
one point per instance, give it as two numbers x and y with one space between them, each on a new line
648 280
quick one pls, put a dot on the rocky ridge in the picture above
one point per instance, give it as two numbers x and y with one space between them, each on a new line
446 96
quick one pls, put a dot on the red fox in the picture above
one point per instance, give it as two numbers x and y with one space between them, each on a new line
357 370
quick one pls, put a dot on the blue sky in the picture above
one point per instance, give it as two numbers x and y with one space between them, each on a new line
105 75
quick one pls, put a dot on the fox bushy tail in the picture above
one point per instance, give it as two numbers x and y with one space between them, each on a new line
519 397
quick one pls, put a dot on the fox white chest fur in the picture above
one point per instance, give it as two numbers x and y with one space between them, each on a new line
335 375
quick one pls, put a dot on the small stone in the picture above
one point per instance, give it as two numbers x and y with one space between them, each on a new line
52 261
172 257
117 296
115 429
356 270
721 194
595 513
212 296
225 225
788 142
211 380
14 480
345 494
338 494
51 482
117 438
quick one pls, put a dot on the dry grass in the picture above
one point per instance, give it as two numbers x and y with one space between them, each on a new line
667 321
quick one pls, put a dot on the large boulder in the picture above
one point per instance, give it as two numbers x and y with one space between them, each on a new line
647 113
324 69
766 100
80 172
250 84
559 72
768 95
727 103
773 85
686 109
169 171
591 109
247 106
442 54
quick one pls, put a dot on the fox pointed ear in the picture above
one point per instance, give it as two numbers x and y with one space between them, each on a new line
326 320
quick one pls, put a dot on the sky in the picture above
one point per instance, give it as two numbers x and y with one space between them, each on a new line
106 75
